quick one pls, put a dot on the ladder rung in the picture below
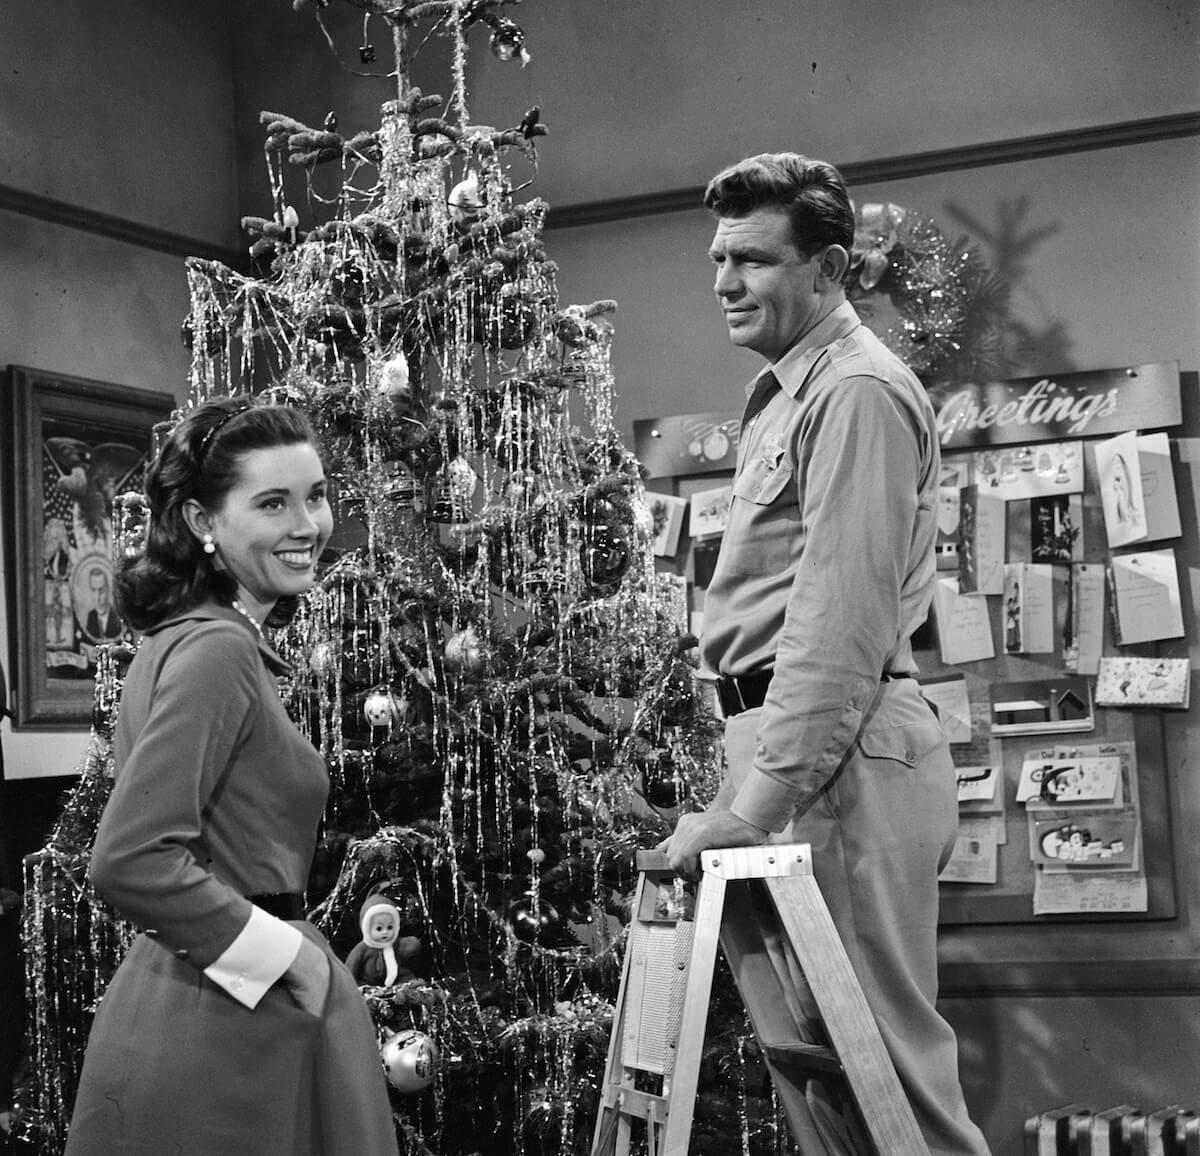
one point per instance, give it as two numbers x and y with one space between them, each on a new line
803 1056
641 1105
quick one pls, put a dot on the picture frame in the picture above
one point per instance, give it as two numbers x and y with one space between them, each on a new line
71 445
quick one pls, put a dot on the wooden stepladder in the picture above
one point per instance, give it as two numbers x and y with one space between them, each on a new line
650 1080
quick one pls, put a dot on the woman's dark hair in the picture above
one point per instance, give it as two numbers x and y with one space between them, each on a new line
811 192
201 460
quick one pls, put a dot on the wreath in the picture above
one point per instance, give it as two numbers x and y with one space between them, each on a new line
948 309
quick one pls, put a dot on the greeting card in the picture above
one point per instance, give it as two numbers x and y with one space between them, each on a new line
1146 602
1085 628
1158 682
1015 472
1120 484
1042 706
667 511
963 627
710 511
1028 608
1158 486
981 528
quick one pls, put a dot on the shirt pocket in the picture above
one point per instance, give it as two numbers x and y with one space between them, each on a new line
763 479
907 744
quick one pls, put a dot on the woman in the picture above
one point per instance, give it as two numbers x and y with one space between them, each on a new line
230 1029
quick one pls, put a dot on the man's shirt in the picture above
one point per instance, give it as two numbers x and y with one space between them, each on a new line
826 566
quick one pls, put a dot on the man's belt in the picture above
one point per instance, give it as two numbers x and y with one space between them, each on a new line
745 693
750 690
282 904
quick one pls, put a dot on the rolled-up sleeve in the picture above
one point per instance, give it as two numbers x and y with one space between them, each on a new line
859 468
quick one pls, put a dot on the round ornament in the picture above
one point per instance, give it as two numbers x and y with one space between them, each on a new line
662 786
383 708
508 40
465 201
532 925
605 557
410 1060
463 651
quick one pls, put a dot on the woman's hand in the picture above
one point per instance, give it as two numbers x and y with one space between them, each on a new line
307 980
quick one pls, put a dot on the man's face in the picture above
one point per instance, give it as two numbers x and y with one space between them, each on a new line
766 287
98 581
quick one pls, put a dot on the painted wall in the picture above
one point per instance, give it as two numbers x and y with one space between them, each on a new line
125 108
149 111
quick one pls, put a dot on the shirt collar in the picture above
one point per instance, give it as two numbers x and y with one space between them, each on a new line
214 612
793 368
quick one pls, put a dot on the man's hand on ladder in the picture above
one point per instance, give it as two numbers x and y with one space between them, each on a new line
701 830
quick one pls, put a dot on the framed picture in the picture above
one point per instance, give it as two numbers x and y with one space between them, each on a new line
72 445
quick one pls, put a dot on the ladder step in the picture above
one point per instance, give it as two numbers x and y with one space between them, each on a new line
800 1055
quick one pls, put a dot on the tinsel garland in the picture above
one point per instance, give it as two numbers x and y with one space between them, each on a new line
950 307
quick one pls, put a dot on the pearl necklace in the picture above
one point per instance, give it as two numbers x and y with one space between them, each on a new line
248 617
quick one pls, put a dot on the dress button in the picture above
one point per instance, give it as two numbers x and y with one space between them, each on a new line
181 953
239 983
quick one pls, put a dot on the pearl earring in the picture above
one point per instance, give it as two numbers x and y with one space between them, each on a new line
208 545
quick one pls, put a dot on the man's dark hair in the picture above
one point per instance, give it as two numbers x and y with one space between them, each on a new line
811 192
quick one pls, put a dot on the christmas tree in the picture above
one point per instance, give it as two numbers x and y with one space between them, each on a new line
497 677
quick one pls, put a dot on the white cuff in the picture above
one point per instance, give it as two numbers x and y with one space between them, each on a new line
262 952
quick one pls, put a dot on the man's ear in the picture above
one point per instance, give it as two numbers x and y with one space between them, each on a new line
831 267
197 519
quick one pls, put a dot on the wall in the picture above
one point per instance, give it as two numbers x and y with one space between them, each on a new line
149 112
99 109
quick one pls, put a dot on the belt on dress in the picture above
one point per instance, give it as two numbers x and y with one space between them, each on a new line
281 904
750 690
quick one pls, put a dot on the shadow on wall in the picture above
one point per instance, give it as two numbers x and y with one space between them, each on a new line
1029 344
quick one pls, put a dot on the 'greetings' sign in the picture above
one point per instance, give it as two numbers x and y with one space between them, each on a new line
1069 405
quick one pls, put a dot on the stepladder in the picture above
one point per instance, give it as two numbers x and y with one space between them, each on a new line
818 1039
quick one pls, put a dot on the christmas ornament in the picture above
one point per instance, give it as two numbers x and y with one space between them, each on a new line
533 922
394 381
383 708
605 557
508 40
464 201
463 651
661 784
383 956
410 1060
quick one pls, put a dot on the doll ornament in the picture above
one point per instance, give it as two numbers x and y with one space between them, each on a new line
383 956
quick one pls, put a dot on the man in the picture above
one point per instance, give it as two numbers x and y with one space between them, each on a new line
102 621
826 568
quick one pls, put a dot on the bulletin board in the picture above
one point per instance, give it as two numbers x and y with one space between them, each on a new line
1089 577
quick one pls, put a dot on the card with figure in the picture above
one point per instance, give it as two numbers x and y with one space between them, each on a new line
1120 485
1028 608
1159 682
